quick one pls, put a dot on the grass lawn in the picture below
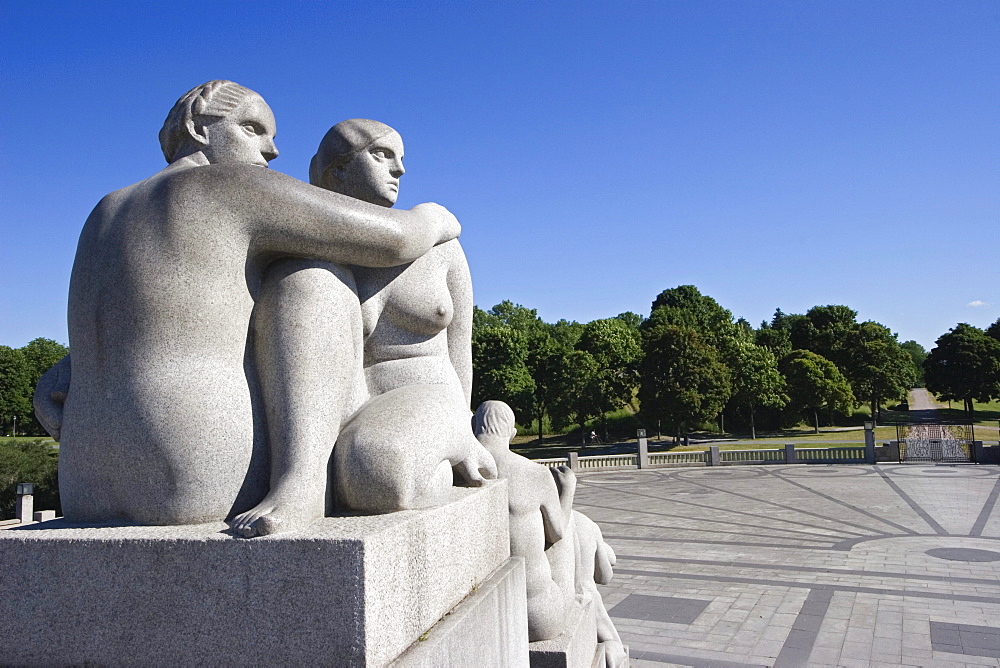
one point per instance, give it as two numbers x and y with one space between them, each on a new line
29 439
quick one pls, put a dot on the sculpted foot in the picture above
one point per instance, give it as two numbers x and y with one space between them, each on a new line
614 653
275 514
478 467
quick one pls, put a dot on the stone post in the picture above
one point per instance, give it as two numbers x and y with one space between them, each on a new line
25 504
714 458
643 449
894 451
869 442
790 457
574 461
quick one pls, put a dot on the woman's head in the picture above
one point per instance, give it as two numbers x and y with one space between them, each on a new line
222 119
360 158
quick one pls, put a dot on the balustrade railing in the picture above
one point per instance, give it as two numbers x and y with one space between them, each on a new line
845 455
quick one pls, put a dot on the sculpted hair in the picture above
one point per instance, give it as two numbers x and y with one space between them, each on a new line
494 418
214 98
341 143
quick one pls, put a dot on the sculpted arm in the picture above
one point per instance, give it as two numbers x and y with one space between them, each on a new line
289 217
552 514
460 329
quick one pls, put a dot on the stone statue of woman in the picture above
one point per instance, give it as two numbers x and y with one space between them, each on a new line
411 427
162 422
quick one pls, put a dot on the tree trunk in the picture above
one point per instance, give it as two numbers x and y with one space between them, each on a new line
816 420
753 428
541 419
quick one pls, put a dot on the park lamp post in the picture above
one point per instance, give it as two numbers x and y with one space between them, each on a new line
869 425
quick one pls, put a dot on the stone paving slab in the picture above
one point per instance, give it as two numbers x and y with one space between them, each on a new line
803 565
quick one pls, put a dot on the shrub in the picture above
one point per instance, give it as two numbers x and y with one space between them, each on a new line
35 462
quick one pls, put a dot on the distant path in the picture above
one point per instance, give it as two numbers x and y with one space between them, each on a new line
922 400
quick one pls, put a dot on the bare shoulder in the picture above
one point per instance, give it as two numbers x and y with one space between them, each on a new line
452 253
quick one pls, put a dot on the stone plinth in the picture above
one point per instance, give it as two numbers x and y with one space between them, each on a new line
488 628
348 591
576 646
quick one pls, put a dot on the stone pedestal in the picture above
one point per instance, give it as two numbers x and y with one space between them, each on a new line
488 628
576 646
348 591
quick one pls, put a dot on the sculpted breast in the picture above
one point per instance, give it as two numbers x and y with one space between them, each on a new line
419 301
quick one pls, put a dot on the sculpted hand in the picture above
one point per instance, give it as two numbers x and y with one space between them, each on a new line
442 220
565 482
478 467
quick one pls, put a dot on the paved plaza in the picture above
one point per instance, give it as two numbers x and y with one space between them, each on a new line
803 565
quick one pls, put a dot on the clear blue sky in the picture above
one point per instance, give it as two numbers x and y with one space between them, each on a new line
774 154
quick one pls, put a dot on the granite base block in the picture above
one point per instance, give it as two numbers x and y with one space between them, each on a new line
574 647
488 628
347 591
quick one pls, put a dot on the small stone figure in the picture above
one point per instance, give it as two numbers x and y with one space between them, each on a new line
565 554
163 422
537 518
594 561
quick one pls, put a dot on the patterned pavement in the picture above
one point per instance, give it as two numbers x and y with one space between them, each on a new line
889 565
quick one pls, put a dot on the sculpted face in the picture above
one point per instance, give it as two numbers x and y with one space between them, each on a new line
245 136
373 174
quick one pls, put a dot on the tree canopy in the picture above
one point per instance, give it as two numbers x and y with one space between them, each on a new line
814 383
683 382
964 365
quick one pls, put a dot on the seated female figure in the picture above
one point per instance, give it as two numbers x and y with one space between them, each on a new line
411 425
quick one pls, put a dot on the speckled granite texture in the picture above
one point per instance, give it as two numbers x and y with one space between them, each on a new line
349 591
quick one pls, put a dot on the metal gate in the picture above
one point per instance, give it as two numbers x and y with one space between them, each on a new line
935 442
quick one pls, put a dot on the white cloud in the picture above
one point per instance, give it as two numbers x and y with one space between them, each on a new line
978 302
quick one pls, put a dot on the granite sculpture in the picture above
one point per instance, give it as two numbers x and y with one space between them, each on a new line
565 554
538 517
594 562
403 425
163 421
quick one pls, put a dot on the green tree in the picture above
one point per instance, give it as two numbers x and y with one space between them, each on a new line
550 371
917 355
756 381
616 348
964 365
831 327
499 371
877 367
578 396
16 388
993 330
682 380
629 318
814 382
776 339
685 306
